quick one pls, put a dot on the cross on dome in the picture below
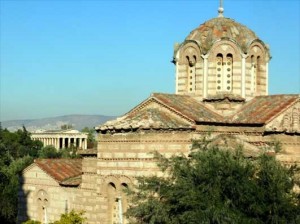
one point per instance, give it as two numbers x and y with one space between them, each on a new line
221 9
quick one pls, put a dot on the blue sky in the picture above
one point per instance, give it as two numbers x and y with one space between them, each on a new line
104 57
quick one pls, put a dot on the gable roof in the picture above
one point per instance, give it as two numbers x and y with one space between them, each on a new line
143 117
258 111
262 109
147 118
189 107
65 171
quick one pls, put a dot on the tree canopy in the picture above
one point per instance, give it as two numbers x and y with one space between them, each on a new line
91 140
213 185
17 151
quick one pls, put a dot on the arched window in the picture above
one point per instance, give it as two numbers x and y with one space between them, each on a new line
219 71
42 203
258 72
191 72
113 203
224 72
253 73
227 76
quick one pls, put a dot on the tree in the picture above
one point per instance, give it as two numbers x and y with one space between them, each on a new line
9 188
91 141
66 126
213 185
17 151
49 152
71 218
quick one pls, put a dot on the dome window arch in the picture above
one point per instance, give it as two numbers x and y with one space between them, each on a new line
253 74
219 71
258 72
224 72
191 72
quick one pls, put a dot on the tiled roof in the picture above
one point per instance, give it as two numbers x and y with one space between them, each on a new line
257 111
65 171
189 107
262 109
148 118
214 29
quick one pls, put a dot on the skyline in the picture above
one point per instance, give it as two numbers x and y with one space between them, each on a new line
105 57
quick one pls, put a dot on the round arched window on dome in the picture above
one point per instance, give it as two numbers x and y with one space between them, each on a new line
219 71
229 69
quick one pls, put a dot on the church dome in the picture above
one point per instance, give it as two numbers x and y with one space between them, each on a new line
222 28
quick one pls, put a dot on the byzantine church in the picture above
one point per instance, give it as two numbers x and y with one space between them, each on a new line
221 92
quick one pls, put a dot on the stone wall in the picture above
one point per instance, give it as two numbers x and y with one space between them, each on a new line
42 198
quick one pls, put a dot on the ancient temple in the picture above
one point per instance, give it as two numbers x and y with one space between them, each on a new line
221 91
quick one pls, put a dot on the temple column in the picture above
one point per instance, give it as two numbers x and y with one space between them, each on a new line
57 143
85 143
69 142
80 143
63 143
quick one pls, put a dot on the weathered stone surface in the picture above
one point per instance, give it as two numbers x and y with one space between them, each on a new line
221 92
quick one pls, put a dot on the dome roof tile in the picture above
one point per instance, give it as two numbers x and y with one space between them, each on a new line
222 28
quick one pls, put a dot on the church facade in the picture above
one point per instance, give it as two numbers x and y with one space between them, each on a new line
221 92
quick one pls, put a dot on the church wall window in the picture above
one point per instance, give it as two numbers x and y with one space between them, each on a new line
219 71
191 73
253 73
258 72
113 203
224 72
123 199
42 203
227 78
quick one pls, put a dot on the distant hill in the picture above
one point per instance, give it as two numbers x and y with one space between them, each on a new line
54 123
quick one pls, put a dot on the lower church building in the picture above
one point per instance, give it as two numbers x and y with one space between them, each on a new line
221 91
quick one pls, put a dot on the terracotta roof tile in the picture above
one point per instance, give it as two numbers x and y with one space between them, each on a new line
261 109
148 118
189 107
221 27
62 169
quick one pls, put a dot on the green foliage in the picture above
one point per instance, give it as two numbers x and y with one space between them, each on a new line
18 144
50 152
91 141
216 186
70 153
66 126
71 218
17 151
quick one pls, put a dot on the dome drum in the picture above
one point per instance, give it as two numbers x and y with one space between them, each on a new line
214 59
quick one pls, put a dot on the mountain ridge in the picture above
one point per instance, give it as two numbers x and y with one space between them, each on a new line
78 121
